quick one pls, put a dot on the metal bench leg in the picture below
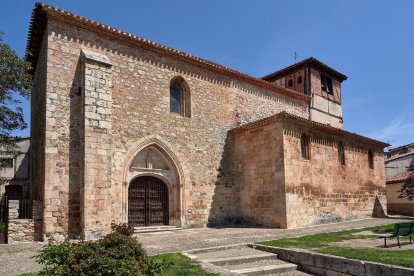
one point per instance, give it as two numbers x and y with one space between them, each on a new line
385 242
398 239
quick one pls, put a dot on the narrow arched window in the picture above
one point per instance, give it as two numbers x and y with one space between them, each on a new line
370 159
304 147
290 83
341 153
176 99
300 79
180 100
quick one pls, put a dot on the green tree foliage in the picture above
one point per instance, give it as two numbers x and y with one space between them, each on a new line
15 81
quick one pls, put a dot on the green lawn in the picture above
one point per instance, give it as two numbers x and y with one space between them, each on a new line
180 265
322 243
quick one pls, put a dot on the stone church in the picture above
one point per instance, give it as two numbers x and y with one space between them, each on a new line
127 130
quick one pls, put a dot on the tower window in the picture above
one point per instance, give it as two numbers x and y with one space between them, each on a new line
304 146
370 159
290 83
326 84
300 79
341 154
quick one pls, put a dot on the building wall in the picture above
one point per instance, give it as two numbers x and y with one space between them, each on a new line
19 173
399 165
259 175
395 205
140 109
325 108
38 123
321 190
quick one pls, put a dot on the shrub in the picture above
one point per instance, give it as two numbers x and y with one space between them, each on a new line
114 254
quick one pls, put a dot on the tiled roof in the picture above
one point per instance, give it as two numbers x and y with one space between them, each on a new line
398 156
311 124
309 61
401 147
42 12
401 177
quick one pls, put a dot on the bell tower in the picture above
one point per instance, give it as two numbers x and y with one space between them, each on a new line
318 80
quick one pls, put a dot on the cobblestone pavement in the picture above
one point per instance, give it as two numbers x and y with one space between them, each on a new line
17 259
161 242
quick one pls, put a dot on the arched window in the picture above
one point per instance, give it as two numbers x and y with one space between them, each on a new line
290 83
370 159
341 153
180 102
176 98
300 79
304 146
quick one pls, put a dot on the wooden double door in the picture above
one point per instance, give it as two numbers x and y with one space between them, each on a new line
147 202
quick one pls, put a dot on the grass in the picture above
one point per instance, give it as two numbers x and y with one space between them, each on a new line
323 243
180 265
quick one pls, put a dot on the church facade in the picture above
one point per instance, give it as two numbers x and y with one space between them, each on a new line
127 130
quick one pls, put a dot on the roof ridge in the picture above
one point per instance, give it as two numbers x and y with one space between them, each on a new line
107 30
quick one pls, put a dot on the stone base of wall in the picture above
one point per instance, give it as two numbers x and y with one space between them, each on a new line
24 230
405 209
20 230
321 264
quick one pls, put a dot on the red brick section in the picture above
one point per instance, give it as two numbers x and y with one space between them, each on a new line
42 12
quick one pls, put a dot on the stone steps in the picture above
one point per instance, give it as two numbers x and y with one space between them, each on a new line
242 260
266 270
152 229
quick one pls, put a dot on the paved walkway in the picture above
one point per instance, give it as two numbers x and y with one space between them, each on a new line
209 237
17 259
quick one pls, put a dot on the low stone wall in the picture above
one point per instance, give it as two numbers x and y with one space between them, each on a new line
24 230
321 264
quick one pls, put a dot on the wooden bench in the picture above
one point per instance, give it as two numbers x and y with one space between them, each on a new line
400 229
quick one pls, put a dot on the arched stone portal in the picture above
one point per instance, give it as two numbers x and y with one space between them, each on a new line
153 191
147 202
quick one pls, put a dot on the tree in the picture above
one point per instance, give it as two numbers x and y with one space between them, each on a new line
15 81
407 189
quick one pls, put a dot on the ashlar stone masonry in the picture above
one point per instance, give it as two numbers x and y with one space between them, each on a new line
128 130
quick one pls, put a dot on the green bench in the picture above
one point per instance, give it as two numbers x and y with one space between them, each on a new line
400 229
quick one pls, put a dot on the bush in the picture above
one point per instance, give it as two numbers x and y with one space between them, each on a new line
114 254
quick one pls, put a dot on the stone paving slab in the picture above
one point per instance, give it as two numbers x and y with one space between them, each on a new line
211 237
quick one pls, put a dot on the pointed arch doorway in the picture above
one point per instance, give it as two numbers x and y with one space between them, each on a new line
148 202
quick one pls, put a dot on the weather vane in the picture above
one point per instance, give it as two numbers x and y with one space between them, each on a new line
296 56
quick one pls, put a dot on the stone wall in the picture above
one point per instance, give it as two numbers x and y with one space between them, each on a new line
396 166
398 206
38 124
321 190
140 117
259 175
24 230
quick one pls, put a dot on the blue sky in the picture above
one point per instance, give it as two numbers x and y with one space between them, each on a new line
372 42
